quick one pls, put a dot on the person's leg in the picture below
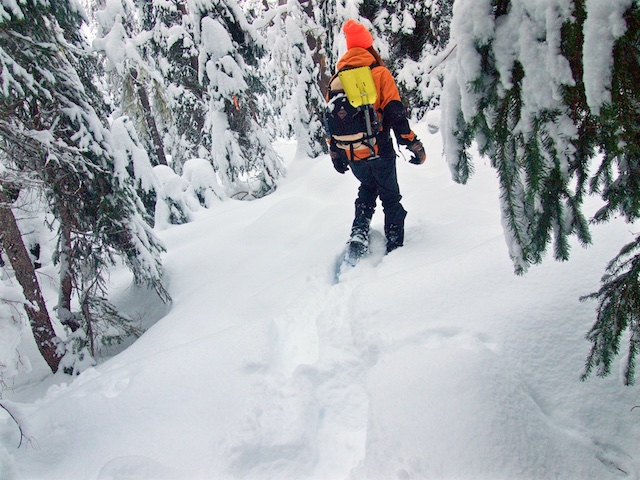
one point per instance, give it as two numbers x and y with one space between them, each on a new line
365 203
386 178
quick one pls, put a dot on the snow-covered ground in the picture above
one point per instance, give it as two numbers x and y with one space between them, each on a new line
435 363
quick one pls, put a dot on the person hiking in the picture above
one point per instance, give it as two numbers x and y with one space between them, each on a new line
374 163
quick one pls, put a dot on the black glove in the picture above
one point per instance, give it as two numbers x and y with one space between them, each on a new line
340 162
419 155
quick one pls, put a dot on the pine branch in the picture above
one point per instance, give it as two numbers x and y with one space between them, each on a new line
618 311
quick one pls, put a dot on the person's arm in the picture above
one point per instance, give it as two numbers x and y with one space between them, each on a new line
393 112
338 156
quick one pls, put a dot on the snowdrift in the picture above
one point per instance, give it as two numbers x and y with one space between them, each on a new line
434 363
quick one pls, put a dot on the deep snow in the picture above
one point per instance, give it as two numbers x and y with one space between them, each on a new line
436 362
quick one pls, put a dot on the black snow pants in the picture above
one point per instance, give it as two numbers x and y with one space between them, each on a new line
378 178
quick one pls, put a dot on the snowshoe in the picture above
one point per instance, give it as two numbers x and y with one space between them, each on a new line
357 249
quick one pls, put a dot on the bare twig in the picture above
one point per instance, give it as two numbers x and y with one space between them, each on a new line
22 434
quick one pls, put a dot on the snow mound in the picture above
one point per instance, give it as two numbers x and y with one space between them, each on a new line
434 362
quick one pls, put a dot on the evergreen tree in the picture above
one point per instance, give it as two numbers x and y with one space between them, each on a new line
418 37
615 99
275 70
53 140
292 66
331 15
409 27
544 92
170 49
228 52
50 346
325 16
119 37
307 102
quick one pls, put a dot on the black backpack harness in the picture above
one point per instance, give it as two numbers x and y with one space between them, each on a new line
353 128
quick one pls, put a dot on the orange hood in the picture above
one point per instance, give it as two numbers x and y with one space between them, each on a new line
356 57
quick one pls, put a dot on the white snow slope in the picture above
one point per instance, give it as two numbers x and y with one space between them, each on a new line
435 363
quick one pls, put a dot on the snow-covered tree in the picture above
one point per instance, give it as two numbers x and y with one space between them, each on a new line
179 196
50 346
611 65
53 139
417 35
228 51
275 72
307 103
549 91
170 49
296 104
331 15
119 38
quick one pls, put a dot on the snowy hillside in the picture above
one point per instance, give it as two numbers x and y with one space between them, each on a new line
436 363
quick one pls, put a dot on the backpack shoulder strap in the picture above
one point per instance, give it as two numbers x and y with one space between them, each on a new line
331 90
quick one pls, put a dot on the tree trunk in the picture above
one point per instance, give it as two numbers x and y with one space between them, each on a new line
158 146
66 279
315 45
86 313
11 242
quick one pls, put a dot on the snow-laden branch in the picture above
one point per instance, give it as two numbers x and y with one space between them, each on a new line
269 17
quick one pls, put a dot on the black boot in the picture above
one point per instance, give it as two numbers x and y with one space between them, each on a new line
359 239
395 236
361 223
